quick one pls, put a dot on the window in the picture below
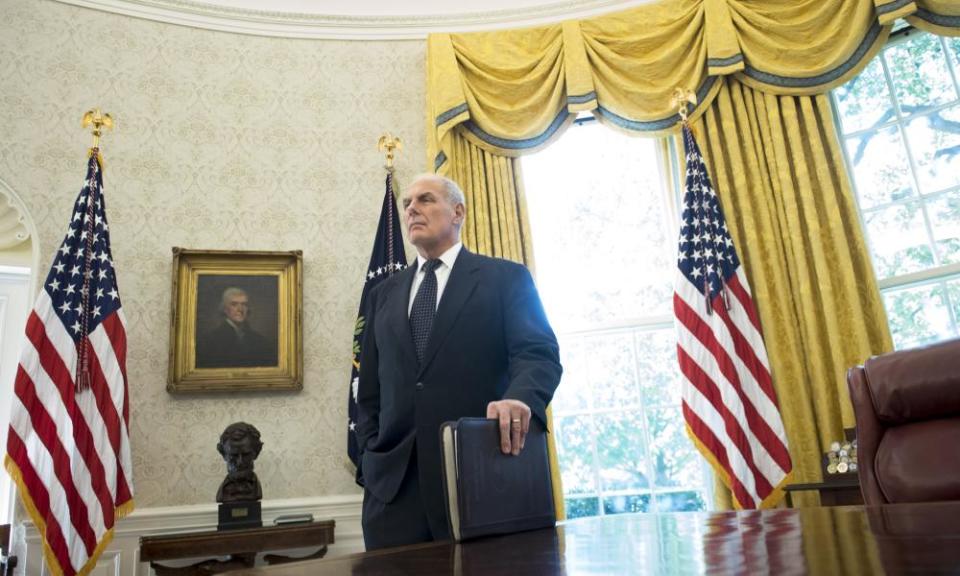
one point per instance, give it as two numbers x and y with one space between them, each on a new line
900 125
14 308
604 238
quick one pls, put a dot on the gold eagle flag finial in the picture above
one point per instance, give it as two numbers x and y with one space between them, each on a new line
390 145
99 120
681 99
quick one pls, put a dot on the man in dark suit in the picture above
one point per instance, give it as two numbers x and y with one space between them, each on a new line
233 343
458 334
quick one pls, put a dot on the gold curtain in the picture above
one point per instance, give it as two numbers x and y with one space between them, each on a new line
778 169
496 224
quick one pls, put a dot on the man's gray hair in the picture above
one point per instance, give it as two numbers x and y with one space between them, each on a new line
450 188
229 293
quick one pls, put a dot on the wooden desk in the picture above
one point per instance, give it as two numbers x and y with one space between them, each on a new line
852 540
842 491
241 545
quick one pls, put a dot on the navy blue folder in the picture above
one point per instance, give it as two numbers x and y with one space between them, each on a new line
489 492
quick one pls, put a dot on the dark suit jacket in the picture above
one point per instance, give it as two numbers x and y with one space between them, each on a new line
223 348
490 341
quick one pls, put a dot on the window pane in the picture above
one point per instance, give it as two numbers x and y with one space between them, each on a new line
596 215
953 294
612 371
580 507
918 315
898 239
573 394
626 504
944 214
688 501
920 75
953 47
865 101
907 178
656 349
623 454
880 167
575 450
675 459
935 143
605 268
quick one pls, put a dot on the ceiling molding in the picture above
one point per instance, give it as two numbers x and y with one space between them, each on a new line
238 20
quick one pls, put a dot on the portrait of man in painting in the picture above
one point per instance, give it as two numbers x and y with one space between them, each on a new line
237 321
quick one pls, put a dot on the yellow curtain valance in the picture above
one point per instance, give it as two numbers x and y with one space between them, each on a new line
511 92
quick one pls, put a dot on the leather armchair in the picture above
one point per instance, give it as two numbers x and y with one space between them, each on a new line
907 406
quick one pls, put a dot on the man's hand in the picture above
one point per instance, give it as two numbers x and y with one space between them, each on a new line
514 417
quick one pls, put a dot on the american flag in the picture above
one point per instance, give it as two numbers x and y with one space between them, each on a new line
729 402
387 257
68 448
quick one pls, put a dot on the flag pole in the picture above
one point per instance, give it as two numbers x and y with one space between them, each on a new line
390 145
99 120
681 99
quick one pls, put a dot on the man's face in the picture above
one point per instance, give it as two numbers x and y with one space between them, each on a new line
237 307
239 454
432 222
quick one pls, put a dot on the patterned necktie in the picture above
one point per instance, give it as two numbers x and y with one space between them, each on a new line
424 308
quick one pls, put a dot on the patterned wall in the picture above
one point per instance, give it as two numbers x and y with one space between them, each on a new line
222 141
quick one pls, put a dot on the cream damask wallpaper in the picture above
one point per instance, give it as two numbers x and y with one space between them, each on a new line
222 141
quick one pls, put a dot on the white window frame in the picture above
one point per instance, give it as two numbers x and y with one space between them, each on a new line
637 327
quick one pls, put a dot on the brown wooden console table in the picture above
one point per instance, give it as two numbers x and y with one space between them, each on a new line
241 545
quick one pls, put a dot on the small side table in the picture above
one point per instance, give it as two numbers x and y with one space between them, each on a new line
842 491
241 545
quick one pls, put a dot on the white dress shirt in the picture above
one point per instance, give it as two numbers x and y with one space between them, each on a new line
442 272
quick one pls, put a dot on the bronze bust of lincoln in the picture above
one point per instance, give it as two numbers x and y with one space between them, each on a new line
239 445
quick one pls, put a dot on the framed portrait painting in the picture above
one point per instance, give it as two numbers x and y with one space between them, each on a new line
236 321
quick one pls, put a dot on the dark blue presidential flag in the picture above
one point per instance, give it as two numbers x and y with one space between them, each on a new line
386 258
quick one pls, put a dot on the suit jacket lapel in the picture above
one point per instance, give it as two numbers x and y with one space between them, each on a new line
460 285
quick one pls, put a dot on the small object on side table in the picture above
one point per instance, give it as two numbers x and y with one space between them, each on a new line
840 485
305 518
841 459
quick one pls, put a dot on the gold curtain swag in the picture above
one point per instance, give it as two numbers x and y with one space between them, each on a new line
514 91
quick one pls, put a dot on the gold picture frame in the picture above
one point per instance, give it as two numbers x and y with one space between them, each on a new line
236 321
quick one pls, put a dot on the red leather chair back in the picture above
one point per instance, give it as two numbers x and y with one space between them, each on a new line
907 406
